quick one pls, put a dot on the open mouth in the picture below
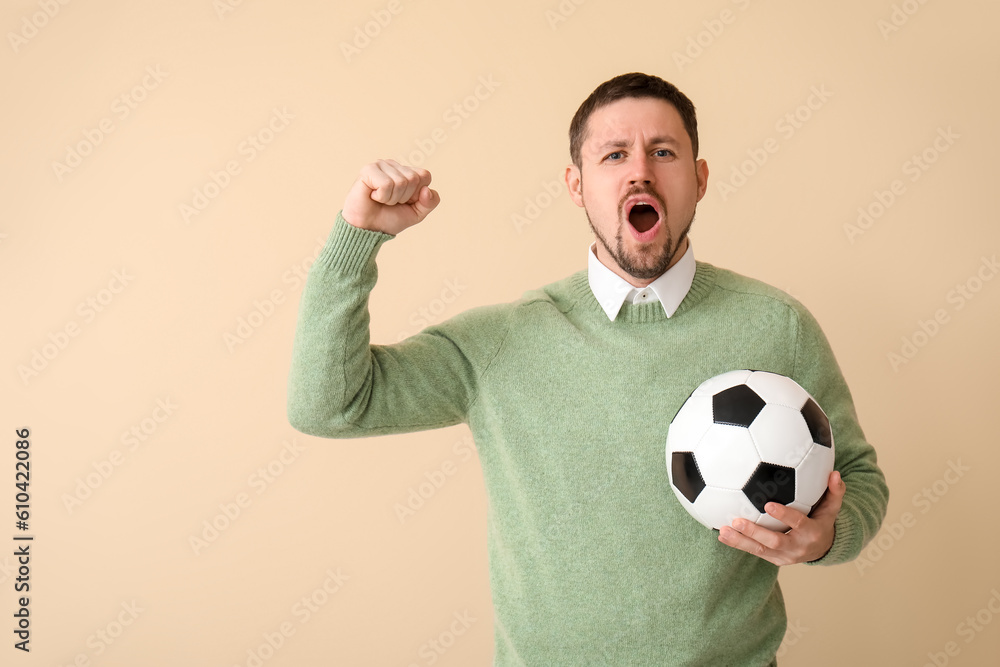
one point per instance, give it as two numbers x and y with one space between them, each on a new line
642 217
644 213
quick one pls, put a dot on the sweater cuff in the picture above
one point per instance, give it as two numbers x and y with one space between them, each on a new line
348 249
845 545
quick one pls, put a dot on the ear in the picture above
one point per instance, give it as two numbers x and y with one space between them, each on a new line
574 183
701 170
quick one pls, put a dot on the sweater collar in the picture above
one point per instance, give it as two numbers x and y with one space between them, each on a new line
611 290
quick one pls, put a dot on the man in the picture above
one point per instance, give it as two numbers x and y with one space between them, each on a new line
568 392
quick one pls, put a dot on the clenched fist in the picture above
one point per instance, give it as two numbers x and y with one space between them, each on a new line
389 197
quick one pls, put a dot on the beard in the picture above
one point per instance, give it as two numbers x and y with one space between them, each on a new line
648 262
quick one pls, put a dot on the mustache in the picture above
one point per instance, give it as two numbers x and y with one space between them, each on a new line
642 191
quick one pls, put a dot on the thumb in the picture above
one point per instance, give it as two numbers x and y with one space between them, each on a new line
426 201
833 498
837 486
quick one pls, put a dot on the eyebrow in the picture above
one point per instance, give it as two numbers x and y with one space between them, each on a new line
622 143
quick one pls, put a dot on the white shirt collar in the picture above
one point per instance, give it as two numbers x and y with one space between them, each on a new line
611 290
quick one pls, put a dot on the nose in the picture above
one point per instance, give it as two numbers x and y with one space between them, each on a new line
642 170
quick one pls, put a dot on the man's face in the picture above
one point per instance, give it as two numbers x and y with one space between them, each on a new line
639 184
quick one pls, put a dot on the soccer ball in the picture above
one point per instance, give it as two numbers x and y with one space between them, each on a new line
746 438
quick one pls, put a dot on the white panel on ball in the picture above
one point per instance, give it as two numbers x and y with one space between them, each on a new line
781 435
716 384
690 425
812 474
726 456
774 388
718 507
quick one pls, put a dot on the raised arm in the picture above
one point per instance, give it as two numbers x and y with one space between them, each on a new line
342 386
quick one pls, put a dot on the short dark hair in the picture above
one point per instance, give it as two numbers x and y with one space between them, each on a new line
633 84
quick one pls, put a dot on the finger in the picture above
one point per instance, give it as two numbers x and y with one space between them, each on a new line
789 516
426 201
408 182
769 538
378 181
389 181
398 178
833 499
734 538
422 180
837 484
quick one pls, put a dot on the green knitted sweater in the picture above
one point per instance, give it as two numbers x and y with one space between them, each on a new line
592 559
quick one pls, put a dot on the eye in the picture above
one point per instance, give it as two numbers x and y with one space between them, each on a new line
611 156
664 152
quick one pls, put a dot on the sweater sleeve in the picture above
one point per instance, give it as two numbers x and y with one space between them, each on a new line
867 495
341 386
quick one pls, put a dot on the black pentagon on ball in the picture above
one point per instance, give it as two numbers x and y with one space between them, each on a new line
687 477
736 406
770 483
819 425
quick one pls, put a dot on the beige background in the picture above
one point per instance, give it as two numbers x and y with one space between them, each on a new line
177 291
